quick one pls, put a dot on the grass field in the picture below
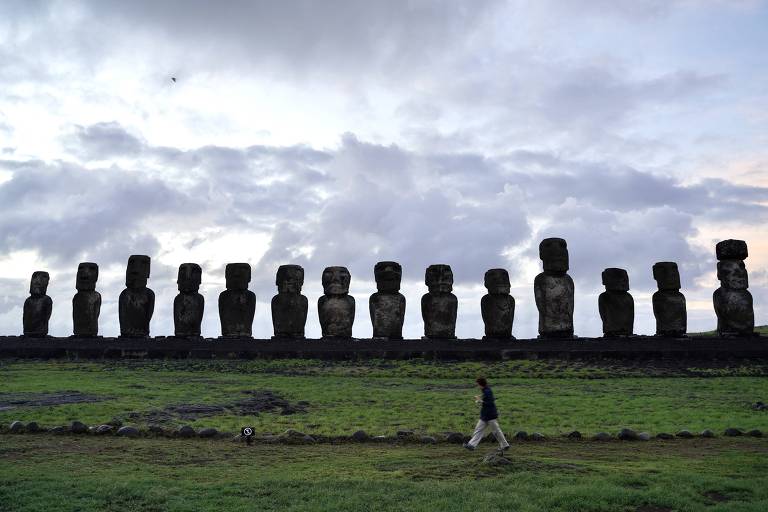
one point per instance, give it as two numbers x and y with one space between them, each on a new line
45 472
381 397
68 473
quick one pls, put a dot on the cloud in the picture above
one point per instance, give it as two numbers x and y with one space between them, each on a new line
357 204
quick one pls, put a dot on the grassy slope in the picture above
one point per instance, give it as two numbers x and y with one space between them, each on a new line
44 473
382 396
759 329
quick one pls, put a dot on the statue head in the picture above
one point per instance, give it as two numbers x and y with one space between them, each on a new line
666 275
87 275
439 278
554 253
388 275
238 275
731 250
137 271
336 280
190 275
616 280
289 279
38 285
732 274
497 281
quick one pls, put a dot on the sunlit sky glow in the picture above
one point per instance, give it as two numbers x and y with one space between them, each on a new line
347 132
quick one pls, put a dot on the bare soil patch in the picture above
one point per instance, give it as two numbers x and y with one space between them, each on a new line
10 401
253 403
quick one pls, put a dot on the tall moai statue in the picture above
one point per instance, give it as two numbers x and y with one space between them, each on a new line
86 304
137 302
553 290
336 308
498 306
387 305
237 304
439 307
189 304
668 303
289 306
38 306
616 305
733 302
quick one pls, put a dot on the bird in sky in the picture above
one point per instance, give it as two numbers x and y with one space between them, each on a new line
173 79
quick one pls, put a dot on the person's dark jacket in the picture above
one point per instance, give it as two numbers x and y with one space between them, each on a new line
488 410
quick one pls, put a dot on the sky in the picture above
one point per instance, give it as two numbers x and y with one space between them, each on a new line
346 132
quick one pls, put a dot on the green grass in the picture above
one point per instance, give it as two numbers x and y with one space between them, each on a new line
381 397
759 329
68 473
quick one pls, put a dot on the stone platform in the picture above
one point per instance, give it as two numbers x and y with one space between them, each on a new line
636 347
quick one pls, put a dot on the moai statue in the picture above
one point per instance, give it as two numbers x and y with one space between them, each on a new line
498 306
86 304
237 304
387 305
336 308
617 307
38 306
553 290
289 306
188 305
137 302
668 302
439 306
733 302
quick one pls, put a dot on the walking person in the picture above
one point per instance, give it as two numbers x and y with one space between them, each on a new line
488 418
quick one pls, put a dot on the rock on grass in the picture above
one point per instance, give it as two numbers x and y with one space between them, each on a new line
78 427
128 431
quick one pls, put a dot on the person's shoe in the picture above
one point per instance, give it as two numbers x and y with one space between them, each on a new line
504 448
469 447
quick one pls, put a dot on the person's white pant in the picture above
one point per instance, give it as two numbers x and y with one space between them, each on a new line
483 428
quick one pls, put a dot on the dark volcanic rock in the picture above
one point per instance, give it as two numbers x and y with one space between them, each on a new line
751 433
78 427
237 304
498 306
360 436
668 303
137 302
616 305
387 305
665 436
602 436
188 305
627 434
208 432
454 437
685 434
336 308
38 306
521 435
289 306
185 431
33 427
86 304
553 290
128 431
16 427
574 435
733 432
439 306
104 429
733 302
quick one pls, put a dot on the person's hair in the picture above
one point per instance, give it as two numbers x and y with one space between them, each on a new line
481 381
